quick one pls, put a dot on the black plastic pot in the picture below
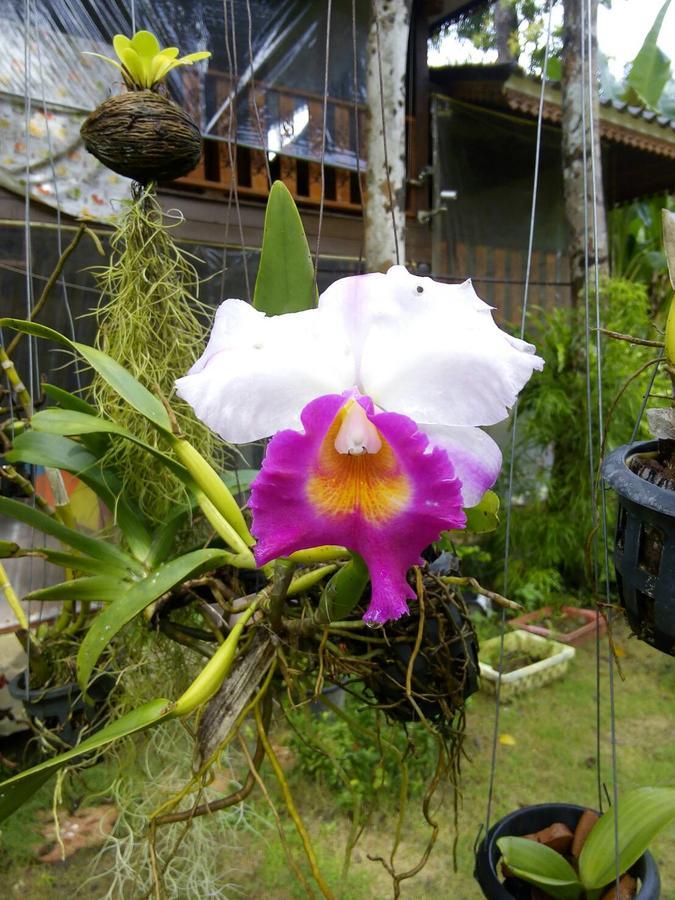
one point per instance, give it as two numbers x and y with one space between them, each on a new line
529 820
644 552
62 709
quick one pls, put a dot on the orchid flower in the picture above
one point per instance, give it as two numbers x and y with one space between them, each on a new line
374 401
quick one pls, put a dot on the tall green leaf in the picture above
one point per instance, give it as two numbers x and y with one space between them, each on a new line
141 594
642 814
538 864
61 453
15 791
650 71
285 281
92 547
112 372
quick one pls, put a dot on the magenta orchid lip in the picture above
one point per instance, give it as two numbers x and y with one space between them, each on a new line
374 403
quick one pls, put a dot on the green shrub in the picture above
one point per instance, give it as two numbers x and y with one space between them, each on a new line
552 514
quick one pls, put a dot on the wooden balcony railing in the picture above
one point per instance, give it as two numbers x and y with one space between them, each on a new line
272 120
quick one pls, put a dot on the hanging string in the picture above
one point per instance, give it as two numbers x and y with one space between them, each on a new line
514 425
601 428
357 134
263 142
384 133
133 16
589 413
323 136
32 348
231 50
57 198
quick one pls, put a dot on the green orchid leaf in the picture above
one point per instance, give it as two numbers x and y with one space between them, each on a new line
17 790
120 42
170 52
344 590
240 480
98 444
650 71
75 561
112 62
59 452
539 865
484 517
96 588
194 57
66 400
137 597
642 814
92 547
145 44
285 281
165 536
112 372
134 65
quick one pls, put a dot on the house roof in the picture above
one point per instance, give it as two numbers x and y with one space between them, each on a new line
505 87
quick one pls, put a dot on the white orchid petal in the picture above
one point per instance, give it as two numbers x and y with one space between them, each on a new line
430 350
476 458
258 372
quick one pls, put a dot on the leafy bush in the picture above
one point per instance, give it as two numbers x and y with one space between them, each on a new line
353 767
552 515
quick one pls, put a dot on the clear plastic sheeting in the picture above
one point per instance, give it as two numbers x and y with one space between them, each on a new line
262 88
487 158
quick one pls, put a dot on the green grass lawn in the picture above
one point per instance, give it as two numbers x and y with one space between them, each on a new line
551 758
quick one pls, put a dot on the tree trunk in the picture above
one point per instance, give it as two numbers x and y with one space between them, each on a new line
506 27
574 87
388 34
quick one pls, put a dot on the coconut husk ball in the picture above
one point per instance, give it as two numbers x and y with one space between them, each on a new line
143 135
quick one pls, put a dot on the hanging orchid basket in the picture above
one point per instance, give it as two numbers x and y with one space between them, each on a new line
144 136
141 133
644 550
553 825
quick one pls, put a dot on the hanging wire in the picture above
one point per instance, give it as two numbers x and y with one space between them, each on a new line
231 50
323 136
603 498
357 135
133 16
263 142
384 133
59 230
514 425
32 348
589 413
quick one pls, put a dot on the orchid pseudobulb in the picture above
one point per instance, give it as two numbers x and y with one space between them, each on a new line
374 401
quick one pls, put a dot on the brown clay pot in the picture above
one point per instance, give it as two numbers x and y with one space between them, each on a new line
143 135
530 622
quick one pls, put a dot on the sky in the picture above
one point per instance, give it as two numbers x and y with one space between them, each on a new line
621 31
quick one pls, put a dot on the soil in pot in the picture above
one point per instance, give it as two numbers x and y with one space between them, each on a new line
517 659
658 469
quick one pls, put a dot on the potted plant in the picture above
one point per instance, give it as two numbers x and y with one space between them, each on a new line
568 852
643 476
529 661
141 133
565 624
